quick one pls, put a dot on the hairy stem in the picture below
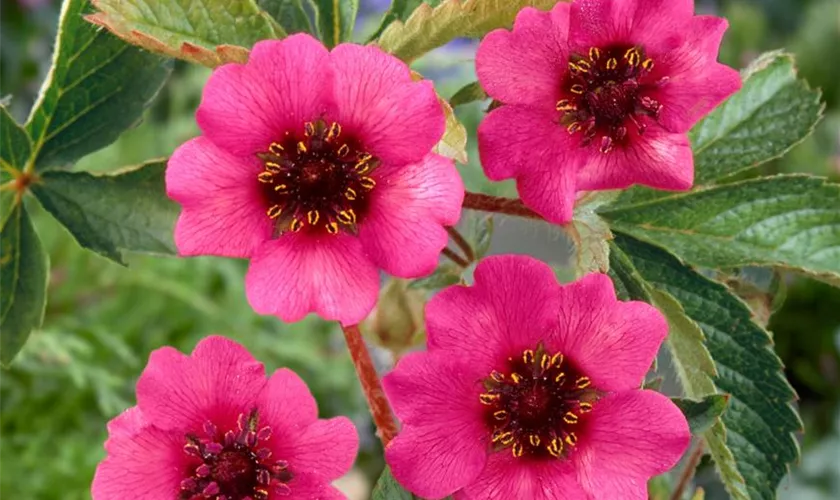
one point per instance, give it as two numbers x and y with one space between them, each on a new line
498 204
375 396
454 257
462 243
688 471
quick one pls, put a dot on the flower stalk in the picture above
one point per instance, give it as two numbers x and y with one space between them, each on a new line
498 204
383 418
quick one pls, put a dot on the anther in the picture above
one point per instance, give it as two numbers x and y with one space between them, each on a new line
334 131
585 407
528 357
265 177
309 129
575 68
557 360
516 377
274 211
577 89
273 167
517 449
296 225
594 54
312 217
560 378
570 418
534 440
565 105
343 150
346 216
582 382
350 194
612 63
276 149
500 415
487 398
497 376
367 183
571 439
332 228
301 147
573 127
280 188
647 64
545 362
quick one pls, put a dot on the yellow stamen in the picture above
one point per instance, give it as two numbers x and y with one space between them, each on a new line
528 357
594 54
487 398
575 68
570 418
582 382
312 216
500 415
276 149
367 183
273 167
332 228
280 187
274 211
296 225
343 150
545 362
647 64
516 377
334 131
565 105
571 439
301 147
350 194
573 127
534 440
612 63
309 129
560 378
497 376
517 450
585 407
265 177
346 216
577 88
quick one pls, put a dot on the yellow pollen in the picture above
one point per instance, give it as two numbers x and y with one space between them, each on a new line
582 382
500 415
312 216
350 194
506 438
487 398
545 362
296 225
633 57
555 447
573 127
594 54
528 357
301 147
516 377
560 377
332 228
346 216
571 439
343 150
498 377
276 149
367 183
273 167
309 129
565 105
274 211
570 418
577 88
584 64
648 64
334 131
576 68
585 407
280 187
557 360
534 440
612 63
361 167
517 450
265 177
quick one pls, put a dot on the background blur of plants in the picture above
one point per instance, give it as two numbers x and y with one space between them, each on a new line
103 320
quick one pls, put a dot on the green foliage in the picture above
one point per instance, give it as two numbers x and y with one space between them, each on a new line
591 234
290 14
127 210
387 488
702 414
788 221
23 281
15 145
468 93
446 274
760 421
428 28
335 19
400 10
97 87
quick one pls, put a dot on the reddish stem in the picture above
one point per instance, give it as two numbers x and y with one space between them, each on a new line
497 204
375 396
688 471
462 243
454 257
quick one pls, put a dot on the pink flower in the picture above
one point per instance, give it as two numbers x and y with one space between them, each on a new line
316 166
530 390
211 426
599 94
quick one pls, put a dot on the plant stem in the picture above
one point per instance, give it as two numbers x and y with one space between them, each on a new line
498 204
372 388
462 243
688 471
454 257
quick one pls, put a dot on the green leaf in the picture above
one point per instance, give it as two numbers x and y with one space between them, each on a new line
15 146
290 14
453 144
24 269
208 32
788 221
387 488
335 19
702 414
445 275
400 10
470 92
97 87
772 112
591 234
759 422
428 28
481 234
127 210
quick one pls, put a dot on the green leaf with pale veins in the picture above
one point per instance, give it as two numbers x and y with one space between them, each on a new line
335 19
470 92
590 234
773 111
126 210
97 88
24 270
428 28
15 145
759 421
790 221
290 14
387 488
400 10
702 414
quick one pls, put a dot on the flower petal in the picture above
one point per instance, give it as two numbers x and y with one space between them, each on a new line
511 307
630 437
301 273
697 83
286 402
285 83
655 24
528 144
443 443
526 65
506 477
307 487
216 383
224 213
396 119
657 159
145 464
325 449
612 342
403 230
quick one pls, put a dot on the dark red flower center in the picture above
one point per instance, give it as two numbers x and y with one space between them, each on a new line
535 405
234 465
605 95
318 180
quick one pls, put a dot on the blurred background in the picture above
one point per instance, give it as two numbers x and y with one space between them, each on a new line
103 320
